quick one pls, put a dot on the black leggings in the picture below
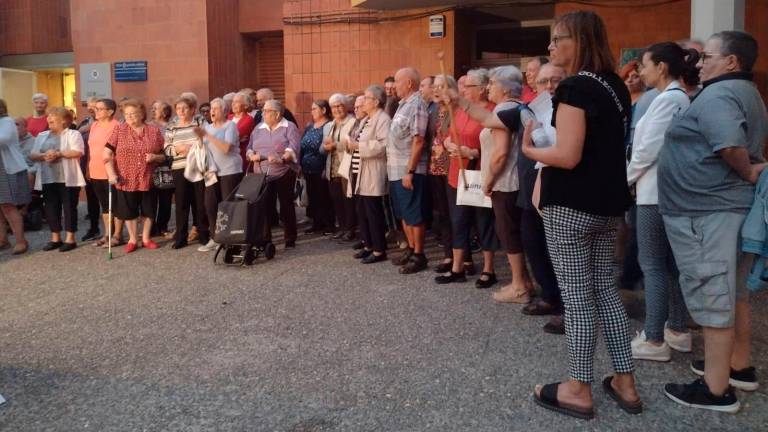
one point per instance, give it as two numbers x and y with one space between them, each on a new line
441 223
535 248
344 207
59 198
215 194
187 195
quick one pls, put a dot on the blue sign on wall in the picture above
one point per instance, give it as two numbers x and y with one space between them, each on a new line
130 71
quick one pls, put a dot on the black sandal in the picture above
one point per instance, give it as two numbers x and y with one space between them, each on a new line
547 398
631 408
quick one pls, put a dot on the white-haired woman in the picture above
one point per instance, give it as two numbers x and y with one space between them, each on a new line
241 103
335 147
501 183
222 144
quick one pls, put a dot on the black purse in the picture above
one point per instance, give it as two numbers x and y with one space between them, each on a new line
162 177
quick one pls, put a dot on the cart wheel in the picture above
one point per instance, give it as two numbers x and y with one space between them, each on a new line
269 251
229 255
218 251
248 255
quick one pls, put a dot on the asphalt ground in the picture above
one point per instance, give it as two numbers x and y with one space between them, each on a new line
165 340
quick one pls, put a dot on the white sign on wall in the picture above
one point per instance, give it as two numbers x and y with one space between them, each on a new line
95 81
437 26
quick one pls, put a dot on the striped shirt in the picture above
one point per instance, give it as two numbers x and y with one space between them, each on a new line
176 134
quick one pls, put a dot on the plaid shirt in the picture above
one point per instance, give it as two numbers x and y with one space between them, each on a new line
410 120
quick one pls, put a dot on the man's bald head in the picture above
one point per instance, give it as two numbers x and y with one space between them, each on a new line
407 81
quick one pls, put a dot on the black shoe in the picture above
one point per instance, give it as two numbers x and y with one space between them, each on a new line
451 278
349 236
373 258
66 247
744 379
697 395
444 267
179 244
362 254
359 245
487 283
404 258
556 325
417 263
469 268
91 235
540 307
52 245
311 230
290 244
338 235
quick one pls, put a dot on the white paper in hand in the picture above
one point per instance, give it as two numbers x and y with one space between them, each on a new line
542 108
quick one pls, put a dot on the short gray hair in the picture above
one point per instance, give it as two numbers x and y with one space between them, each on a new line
222 103
267 91
378 92
277 104
509 78
229 96
37 96
189 95
450 81
340 98
245 96
479 74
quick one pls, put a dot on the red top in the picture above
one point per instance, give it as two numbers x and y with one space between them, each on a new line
37 125
131 149
244 127
528 94
469 134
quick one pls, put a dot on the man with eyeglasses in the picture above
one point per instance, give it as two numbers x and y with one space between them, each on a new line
708 166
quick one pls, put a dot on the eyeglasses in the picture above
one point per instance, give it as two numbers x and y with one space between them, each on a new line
269 111
132 114
557 38
101 109
545 81
471 85
707 56
369 97
337 106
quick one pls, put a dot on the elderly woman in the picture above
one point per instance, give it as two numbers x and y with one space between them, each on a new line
180 137
38 122
274 146
339 128
438 174
312 168
223 146
101 130
241 103
57 152
369 176
501 183
464 217
161 115
14 185
132 152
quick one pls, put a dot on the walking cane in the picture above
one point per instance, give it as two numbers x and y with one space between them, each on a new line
109 222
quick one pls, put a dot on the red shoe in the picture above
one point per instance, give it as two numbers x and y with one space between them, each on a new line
149 244
129 247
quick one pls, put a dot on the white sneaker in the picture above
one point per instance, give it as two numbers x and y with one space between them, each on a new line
681 342
211 245
644 350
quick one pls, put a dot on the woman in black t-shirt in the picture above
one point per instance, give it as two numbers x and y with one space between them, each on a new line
583 194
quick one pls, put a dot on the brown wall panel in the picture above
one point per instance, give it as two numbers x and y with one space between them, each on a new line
34 26
225 47
757 24
258 16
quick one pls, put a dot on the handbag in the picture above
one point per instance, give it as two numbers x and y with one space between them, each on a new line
162 177
470 189
345 165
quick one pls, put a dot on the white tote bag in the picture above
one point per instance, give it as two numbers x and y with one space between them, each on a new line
470 190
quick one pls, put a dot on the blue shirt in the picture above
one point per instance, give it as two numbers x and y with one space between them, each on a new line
312 161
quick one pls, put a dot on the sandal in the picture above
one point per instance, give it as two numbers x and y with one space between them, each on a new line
100 242
547 398
629 407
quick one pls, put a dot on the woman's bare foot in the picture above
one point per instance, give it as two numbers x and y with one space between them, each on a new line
573 393
624 385
512 293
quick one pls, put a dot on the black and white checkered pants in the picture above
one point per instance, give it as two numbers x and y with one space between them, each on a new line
581 247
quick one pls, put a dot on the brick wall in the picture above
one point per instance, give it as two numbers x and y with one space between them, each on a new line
34 26
347 57
169 35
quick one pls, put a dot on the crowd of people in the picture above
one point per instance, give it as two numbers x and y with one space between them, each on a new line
565 152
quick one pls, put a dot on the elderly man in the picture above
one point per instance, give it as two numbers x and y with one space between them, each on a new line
407 168
38 122
26 141
531 72
263 95
707 169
